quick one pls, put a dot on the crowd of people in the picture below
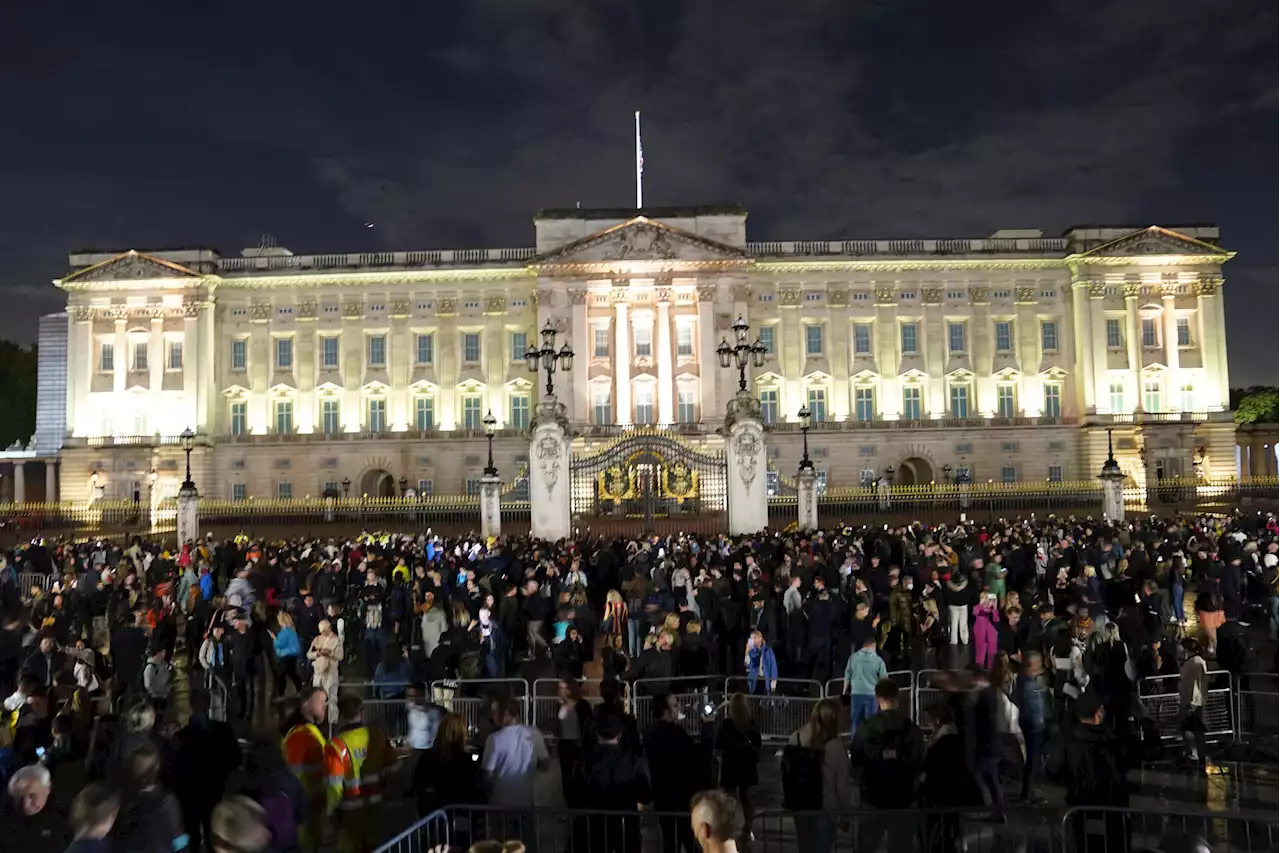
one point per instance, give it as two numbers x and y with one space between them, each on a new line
1043 630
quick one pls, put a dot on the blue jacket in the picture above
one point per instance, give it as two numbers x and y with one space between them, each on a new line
286 644
206 586
864 669
761 663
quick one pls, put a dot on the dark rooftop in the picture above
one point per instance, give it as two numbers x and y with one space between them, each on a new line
651 212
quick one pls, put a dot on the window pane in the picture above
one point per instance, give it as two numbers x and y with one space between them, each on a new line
424 413
330 419
329 352
471 417
519 343
239 419
643 340
769 406
140 355
284 353
601 348
1004 336
684 339
1189 402
955 337
1117 398
238 350
426 349
1151 396
1184 332
377 415
471 347
1149 332
519 411
818 404
1055 473
911 404
960 401
1053 400
175 355
284 491
239 491
377 350
766 339
601 406
909 338
813 340
1115 340
862 339
107 358
1005 405
644 405
1049 336
284 418
1008 474
864 404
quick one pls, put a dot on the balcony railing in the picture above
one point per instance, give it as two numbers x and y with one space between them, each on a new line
375 260
853 425
1159 417
902 248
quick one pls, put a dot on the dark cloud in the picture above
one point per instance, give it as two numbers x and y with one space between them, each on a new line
451 126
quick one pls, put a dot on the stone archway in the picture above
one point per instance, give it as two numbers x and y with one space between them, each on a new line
914 471
378 483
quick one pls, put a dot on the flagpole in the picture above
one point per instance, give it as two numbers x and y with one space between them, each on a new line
639 166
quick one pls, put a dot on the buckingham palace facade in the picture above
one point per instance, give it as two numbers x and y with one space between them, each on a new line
1004 358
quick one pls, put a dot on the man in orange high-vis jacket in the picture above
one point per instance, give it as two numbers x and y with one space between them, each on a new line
304 748
356 761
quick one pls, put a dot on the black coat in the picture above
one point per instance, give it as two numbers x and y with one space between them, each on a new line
1094 771
678 766
739 755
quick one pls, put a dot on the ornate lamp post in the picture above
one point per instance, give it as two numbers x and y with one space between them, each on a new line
806 419
548 357
188 442
741 353
490 426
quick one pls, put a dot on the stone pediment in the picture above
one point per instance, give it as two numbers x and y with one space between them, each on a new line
641 239
132 266
1156 241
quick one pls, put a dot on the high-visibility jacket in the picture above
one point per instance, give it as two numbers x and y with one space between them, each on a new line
304 748
354 763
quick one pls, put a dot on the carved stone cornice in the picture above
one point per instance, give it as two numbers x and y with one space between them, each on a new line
369 279
1097 289
577 296
116 312
618 295
663 295
1208 285
908 265
260 311
192 309
1131 290
81 313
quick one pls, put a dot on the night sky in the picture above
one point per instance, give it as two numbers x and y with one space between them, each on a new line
447 125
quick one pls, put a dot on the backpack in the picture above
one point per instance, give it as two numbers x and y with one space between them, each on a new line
281 820
801 778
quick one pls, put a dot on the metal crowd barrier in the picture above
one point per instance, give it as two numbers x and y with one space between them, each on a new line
1257 712
899 831
545 703
471 698
783 711
904 678
27 580
427 834
1098 829
925 693
692 695
1162 701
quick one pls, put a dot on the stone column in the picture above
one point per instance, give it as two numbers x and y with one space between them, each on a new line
583 351
666 371
807 498
1112 486
707 348
19 482
51 480
1133 342
621 360
1170 317
188 514
549 471
1082 323
747 465
1098 339
490 506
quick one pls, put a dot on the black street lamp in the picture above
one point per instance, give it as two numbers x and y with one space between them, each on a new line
741 353
806 464
346 486
889 472
548 356
490 426
188 442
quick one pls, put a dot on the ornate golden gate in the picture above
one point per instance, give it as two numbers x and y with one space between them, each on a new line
649 479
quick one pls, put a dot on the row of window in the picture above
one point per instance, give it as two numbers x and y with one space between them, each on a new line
1150 327
140 356
284 489
376 349
641 340
909 338
424 415
960 398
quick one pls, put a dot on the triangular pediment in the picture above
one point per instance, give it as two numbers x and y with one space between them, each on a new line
768 378
641 239
328 389
235 391
375 387
865 376
283 389
1053 373
132 266
913 375
1007 374
1156 241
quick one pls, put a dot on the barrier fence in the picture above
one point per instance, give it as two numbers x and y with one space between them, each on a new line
1258 712
1162 701
1116 830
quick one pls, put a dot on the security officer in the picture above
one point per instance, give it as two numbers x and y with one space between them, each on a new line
304 751
356 760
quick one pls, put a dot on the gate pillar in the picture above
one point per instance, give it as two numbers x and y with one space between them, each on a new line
490 505
807 498
744 449
550 516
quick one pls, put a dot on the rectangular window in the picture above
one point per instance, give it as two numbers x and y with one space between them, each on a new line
864 404
959 400
175 355
1006 402
1052 400
471 347
424 413
812 340
519 343
1004 336
911 404
644 340
955 337
377 416
1115 337
471 417
1150 338
473 487
601 406
1117 398
284 417
862 339
284 490
425 349
239 418
1151 396
329 352
107 358
644 405
766 339
239 353
601 337
377 350
1049 336
239 492
1055 473
1189 402
1008 474
686 412
519 411
1184 331
284 353
818 404
910 344
868 477
769 405
424 488
140 355
330 417
684 339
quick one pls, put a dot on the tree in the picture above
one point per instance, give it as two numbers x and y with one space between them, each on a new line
17 393
1257 404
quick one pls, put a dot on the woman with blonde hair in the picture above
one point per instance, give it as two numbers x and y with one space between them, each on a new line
615 615
815 759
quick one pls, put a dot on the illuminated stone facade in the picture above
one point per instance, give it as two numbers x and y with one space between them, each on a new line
1002 358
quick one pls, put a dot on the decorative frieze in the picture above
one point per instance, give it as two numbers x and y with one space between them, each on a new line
886 294
260 311
838 298
446 306
400 307
789 297
352 310
577 296
1024 293
931 295
495 305
977 294
306 309
706 293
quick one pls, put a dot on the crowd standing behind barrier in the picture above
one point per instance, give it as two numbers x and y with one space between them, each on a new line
677 625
